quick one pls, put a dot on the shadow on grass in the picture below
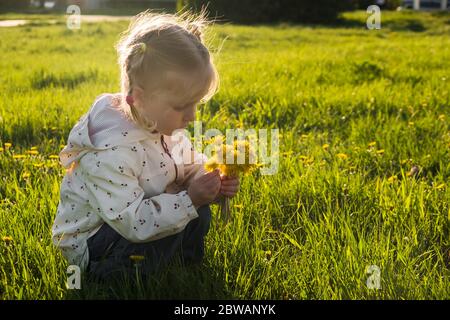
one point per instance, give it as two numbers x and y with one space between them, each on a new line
404 24
393 25
174 283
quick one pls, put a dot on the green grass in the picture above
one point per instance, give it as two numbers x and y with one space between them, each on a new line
308 232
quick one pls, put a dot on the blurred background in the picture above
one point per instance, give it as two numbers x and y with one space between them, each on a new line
239 11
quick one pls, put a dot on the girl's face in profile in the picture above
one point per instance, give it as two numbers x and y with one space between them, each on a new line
174 108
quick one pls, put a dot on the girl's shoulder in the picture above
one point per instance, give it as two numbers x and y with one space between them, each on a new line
112 99
119 158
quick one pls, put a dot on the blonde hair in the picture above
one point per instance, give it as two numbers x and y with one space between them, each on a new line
154 48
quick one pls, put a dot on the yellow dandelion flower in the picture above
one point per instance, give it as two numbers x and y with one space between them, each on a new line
34 148
441 117
54 156
54 128
211 164
392 179
7 239
236 151
372 144
19 156
242 155
410 123
325 146
25 175
1 149
342 156
32 152
38 165
8 145
137 258
287 153
381 151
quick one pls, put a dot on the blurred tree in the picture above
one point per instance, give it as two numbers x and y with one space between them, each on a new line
266 11
20 4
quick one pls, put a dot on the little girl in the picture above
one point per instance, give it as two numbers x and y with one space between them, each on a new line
124 196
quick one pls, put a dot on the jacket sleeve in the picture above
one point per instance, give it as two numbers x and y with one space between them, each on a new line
193 162
111 180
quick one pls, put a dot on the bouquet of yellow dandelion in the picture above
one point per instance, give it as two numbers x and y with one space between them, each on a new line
233 160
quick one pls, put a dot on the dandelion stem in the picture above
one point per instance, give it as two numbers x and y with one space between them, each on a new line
225 212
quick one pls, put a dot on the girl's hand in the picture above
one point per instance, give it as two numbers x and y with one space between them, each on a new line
205 189
229 187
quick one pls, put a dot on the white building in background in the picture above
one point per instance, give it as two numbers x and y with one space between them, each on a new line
416 5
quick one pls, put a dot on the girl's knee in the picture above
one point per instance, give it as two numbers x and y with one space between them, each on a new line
204 216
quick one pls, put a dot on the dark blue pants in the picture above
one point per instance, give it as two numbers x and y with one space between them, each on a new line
109 252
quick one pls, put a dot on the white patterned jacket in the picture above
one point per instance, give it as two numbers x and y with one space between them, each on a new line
122 175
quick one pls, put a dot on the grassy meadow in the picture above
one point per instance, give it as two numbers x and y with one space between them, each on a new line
364 158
